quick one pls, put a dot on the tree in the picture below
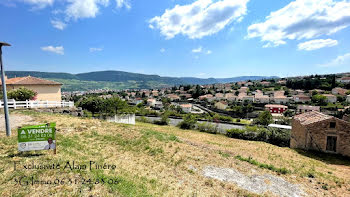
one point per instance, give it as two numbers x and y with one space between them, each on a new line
288 113
319 100
265 118
21 94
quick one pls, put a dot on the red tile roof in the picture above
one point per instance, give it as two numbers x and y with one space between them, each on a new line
29 81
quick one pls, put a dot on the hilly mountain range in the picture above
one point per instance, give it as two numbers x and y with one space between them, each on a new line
123 80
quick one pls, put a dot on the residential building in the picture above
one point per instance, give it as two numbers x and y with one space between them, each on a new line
282 82
185 96
261 98
307 108
265 83
173 97
330 98
230 97
209 97
46 90
276 109
155 93
221 105
316 131
281 99
243 89
344 80
301 98
187 108
340 91
248 98
137 101
248 84
151 102
219 96
158 105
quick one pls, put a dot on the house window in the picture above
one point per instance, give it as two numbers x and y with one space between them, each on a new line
332 125
331 143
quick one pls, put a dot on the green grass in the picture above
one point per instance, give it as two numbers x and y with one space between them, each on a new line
263 165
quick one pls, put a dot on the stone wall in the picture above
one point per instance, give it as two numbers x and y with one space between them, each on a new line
314 136
72 111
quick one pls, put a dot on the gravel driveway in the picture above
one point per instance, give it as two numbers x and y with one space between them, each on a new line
16 120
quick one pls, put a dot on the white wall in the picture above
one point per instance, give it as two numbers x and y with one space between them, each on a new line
124 119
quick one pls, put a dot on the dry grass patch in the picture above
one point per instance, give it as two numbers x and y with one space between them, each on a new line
156 160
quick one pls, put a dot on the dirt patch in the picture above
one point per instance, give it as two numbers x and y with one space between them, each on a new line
16 120
259 184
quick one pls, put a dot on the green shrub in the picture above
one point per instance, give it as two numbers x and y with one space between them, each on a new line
164 120
207 128
279 137
189 122
21 94
144 119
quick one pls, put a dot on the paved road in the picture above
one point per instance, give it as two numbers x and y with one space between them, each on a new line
222 127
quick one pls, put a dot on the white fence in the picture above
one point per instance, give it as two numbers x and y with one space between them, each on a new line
125 119
37 104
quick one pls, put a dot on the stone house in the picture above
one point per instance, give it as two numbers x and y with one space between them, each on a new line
316 131
46 90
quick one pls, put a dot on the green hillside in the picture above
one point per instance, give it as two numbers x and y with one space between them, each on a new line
122 80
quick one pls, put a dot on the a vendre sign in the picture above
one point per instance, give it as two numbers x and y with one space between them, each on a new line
37 137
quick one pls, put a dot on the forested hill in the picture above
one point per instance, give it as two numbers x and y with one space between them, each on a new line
123 80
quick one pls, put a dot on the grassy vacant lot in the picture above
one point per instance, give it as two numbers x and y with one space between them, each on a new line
156 160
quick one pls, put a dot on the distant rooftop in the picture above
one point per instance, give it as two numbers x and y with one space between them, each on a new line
29 80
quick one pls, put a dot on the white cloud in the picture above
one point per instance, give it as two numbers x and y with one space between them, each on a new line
73 9
58 49
162 50
197 50
122 3
317 44
84 8
199 19
339 61
39 4
201 50
94 49
302 19
58 24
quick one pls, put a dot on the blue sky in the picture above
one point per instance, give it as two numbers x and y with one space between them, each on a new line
180 38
